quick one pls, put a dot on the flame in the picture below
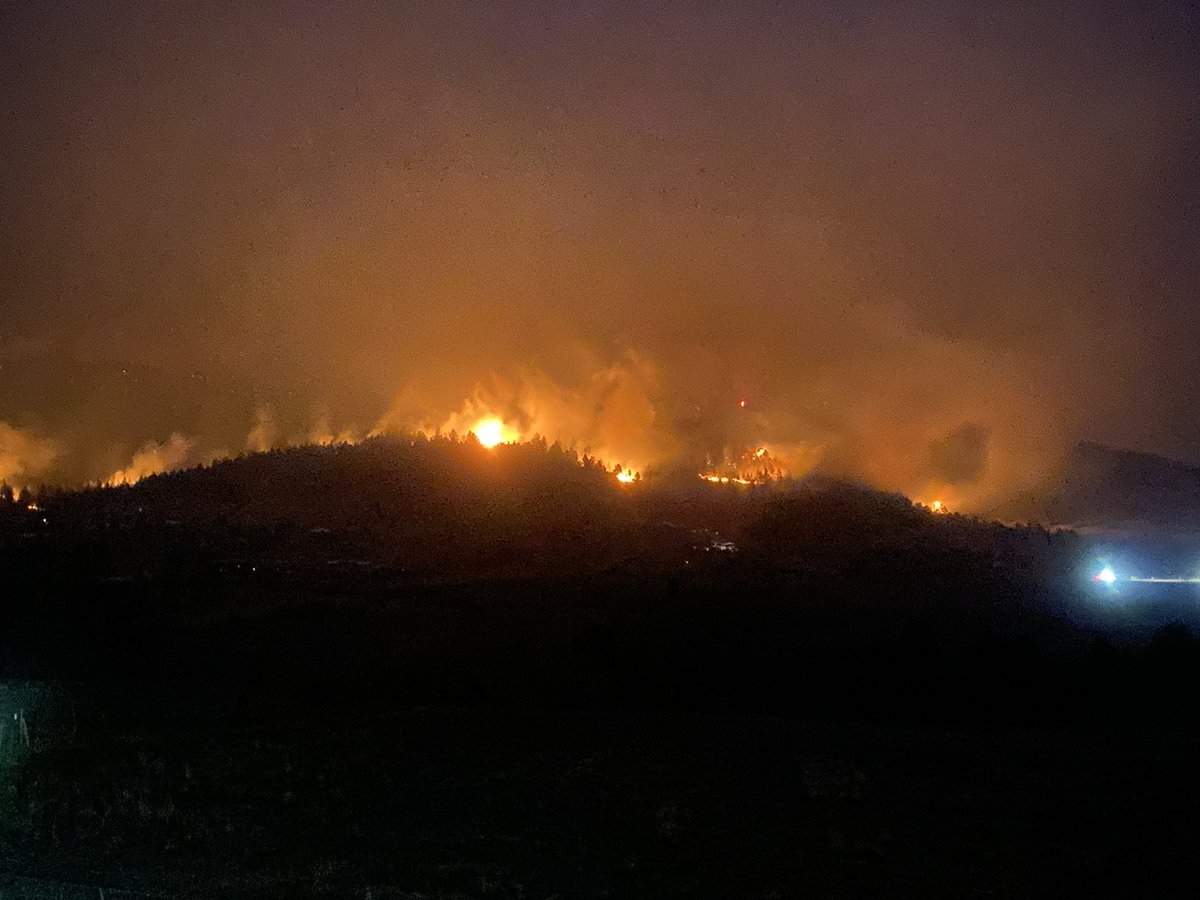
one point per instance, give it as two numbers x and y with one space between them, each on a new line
764 464
618 412
608 412
322 433
725 479
153 458
491 431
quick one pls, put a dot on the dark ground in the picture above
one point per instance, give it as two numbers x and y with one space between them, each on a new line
503 803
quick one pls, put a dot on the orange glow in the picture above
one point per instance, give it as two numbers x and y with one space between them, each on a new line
492 431
626 477
724 479
936 506
763 464
154 457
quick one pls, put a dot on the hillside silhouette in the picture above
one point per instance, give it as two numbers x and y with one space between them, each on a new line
253 648
425 504
1121 490
448 507
436 570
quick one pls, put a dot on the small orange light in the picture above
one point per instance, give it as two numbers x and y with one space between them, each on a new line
742 404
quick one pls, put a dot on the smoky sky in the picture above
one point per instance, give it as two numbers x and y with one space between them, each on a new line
876 220
961 455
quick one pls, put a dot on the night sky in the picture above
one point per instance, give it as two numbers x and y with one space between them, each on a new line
927 242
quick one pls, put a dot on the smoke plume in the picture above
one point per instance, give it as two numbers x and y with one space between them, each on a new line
24 455
154 458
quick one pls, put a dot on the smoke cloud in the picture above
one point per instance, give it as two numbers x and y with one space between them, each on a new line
25 456
265 433
612 412
961 456
154 458
608 224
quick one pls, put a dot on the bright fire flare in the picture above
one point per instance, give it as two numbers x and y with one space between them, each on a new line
626 477
492 431
936 505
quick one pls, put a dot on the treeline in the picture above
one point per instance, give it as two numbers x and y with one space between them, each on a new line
425 503
447 506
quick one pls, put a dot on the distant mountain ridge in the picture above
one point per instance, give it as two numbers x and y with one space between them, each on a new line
1106 487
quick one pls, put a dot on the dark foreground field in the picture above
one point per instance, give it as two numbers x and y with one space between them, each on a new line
610 737
474 803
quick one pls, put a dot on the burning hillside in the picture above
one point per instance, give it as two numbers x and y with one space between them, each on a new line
629 414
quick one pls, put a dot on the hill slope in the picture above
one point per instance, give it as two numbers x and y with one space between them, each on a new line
1104 487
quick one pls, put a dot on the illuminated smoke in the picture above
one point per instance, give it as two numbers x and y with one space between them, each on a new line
154 458
321 432
763 464
899 423
24 455
967 440
961 456
265 433
894 222
611 413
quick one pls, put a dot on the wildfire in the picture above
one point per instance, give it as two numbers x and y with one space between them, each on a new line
760 465
608 418
724 479
153 458
491 431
